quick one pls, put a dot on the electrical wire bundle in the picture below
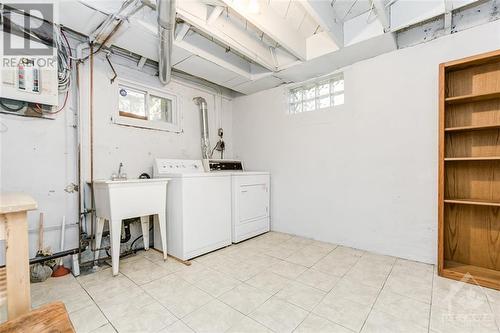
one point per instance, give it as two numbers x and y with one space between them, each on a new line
63 59
64 65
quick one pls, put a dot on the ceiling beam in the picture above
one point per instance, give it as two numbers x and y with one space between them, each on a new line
273 25
196 14
322 12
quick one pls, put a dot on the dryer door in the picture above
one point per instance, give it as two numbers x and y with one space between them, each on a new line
252 197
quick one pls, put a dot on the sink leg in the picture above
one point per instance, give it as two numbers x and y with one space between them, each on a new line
115 229
162 224
98 236
145 231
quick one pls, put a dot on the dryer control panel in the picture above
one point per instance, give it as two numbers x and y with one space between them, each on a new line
223 165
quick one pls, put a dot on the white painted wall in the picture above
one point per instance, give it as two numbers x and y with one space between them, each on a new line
137 147
363 174
39 157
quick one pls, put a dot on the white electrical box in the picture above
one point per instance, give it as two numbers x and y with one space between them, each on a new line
30 79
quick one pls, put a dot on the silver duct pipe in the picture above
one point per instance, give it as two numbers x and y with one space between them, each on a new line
205 141
166 25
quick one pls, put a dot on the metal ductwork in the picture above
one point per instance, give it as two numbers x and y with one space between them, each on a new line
205 141
166 26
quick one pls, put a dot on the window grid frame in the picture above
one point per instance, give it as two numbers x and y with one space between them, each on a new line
292 106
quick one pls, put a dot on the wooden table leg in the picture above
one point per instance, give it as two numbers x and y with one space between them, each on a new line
17 263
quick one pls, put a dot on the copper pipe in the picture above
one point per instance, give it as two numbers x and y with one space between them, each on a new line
79 163
91 115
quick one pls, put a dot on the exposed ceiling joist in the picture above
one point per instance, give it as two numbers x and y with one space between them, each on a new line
181 31
212 52
383 13
141 62
196 13
448 8
323 13
274 26
214 14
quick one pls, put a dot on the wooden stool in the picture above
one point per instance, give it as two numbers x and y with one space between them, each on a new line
49 318
15 277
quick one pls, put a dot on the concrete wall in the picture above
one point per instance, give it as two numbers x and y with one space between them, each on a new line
39 157
363 174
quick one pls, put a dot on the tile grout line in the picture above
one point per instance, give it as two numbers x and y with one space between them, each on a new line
378 295
432 296
294 280
495 320
364 252
241 282
97 305
137 285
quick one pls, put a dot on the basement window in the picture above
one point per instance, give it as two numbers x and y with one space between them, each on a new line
146 107
316 96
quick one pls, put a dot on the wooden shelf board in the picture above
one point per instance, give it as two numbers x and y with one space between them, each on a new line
478 158
472 98
471 61
471 128
479 275
473 202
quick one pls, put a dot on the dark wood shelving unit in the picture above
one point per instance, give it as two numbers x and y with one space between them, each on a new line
469 170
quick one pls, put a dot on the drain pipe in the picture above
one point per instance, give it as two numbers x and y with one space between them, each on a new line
205 141
166 25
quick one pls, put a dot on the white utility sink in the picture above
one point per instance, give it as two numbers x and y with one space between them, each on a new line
116 200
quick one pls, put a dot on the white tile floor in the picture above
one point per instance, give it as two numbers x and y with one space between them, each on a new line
273 283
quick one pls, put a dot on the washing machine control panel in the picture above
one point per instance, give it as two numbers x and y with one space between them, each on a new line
167 166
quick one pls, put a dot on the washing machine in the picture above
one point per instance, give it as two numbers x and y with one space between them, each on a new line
199 207
250 198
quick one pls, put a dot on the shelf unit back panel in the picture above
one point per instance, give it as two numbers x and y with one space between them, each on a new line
480 79
473 180
472 235
484 143
473 114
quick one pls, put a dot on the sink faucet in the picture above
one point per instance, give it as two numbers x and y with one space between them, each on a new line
120 176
